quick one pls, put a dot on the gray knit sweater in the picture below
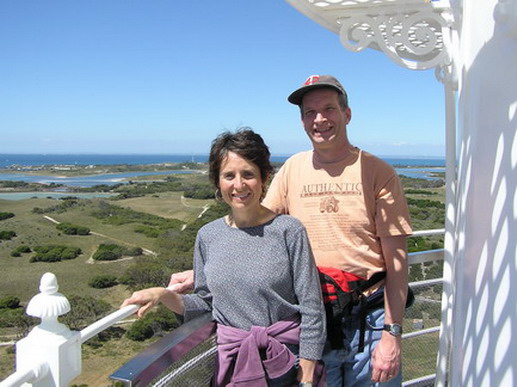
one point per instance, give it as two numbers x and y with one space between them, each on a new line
258 276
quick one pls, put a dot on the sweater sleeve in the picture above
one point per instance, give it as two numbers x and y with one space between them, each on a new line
200 301
308 292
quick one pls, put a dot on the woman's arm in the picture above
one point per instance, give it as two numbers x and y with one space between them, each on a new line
148 298
312 312
306 370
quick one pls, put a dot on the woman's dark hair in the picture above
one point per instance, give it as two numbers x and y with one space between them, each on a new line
244 142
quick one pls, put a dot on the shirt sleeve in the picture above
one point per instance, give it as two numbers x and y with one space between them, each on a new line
200 301
392 214
308 292
276 196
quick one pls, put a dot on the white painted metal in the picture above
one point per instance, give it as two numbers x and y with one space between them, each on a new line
437 231
410 32
110 320
36 372
484 315
106 322
447 74
50 355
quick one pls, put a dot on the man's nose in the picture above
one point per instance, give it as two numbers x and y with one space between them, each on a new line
319 118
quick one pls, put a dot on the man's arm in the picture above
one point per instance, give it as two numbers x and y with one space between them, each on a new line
386 356
275 195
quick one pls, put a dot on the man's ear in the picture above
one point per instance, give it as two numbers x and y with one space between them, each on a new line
348 115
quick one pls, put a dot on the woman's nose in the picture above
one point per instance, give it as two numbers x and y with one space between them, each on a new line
239 183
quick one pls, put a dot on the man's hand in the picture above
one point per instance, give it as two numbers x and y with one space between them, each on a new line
183 281
386 358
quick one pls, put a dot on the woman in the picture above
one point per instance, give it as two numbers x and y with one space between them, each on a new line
255 273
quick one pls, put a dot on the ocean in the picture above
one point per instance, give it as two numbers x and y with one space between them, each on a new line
7 160
410 167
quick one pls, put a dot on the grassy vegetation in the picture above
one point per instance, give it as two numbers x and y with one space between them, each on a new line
154 217
165 212
422 352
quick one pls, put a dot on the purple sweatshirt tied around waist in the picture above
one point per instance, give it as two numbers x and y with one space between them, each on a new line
241 348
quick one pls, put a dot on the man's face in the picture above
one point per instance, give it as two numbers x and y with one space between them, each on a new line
324 119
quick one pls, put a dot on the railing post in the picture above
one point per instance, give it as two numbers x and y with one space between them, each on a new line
50 342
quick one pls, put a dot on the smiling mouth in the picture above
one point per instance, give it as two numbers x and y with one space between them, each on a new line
241 195
322 130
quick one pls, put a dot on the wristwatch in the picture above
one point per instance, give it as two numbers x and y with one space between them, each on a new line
394 329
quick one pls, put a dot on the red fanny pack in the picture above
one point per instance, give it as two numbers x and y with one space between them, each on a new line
340 277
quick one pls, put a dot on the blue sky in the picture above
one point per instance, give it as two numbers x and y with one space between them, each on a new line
166 76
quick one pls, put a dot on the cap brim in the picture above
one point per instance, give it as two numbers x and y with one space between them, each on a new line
296 96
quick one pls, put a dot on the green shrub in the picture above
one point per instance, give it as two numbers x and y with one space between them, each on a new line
72 229
22 249
106 255
133 251
145 274
9 302
55 253
6 215
150 232
7 235
153 323
17 319
84 310
103 281
111 252
65 204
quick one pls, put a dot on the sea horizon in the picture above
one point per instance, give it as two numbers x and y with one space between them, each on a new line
42 159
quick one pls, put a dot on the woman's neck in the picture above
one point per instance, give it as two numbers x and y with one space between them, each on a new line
249 217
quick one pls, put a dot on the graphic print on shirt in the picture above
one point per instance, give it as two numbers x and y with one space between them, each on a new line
328 192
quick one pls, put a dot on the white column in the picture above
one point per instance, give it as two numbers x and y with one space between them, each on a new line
484 315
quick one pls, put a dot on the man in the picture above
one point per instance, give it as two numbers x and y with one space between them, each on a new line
356 216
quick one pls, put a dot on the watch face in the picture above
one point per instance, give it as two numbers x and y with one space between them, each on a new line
394 329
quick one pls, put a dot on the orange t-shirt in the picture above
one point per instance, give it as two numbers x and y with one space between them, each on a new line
345 206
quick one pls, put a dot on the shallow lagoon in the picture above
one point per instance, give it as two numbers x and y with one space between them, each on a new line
53 195
84 181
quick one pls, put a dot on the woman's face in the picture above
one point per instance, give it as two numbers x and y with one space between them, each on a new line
240 182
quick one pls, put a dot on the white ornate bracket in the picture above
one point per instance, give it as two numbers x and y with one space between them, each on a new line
413 33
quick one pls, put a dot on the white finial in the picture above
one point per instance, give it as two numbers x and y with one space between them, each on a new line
49 304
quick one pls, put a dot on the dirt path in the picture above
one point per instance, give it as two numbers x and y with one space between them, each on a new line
204 208
91 260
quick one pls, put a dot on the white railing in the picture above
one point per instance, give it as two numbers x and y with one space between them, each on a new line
51 354
107 322
415 258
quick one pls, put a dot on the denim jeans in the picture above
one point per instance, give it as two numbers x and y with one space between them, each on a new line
346 366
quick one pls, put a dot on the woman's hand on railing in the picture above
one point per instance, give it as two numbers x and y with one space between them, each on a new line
148 298
183 281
